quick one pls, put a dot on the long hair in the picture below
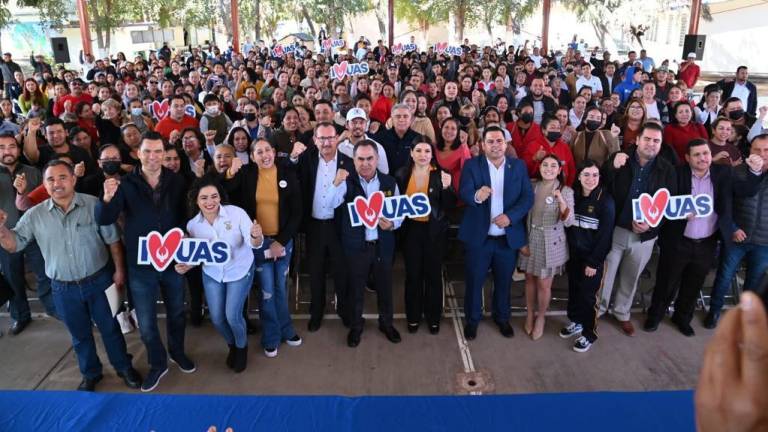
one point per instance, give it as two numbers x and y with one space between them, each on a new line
441 144
560 176
625 118
586 163
36 96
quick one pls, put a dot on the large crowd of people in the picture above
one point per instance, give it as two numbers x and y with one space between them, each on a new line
536 156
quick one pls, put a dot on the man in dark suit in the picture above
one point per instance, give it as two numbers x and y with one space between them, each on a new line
609 80
366 250
498 195
742 88
317 168
688 246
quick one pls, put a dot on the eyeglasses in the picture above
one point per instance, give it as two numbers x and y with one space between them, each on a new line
326 139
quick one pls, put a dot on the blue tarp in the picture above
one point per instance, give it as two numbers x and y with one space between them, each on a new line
610 411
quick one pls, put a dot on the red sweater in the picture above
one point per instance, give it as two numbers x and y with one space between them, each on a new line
559 149
519 140
678 137
167 125
58 107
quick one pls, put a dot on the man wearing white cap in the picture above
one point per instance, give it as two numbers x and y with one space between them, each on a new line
357 125
689 70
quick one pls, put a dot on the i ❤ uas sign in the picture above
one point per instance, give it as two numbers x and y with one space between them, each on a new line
159 250
651 209
367 211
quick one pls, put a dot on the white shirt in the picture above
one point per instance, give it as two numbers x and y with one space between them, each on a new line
574 118
322 201
346 148
232 226
593 82
652 111
497 197
742 92
536 60
702 115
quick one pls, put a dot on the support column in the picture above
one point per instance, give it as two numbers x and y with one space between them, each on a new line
546 5
693 26
391 24
235 26
85 26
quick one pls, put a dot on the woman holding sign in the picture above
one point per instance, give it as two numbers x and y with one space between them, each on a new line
226 285
547 251
270 193
425 237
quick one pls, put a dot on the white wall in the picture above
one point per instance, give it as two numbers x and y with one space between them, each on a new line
736 37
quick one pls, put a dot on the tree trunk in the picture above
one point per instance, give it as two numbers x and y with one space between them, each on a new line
305 14
461 12
226 16
424 26
600 31
97 20
257 18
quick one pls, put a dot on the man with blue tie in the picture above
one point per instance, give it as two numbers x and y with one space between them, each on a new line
498 195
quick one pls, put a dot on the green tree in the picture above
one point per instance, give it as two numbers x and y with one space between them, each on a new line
422 13
597 13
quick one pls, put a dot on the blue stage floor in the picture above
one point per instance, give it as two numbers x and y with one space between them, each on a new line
50 411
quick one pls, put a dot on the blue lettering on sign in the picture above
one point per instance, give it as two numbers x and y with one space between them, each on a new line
409 47
395 208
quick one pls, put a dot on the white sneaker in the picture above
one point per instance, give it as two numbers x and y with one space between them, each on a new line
123 318
571 330
271 353
294 341
582 345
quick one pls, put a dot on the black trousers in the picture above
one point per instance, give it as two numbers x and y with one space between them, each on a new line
359 265
423 278
324 247
582 295
195 283
683 265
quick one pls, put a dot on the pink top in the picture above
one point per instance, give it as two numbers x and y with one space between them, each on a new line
453 163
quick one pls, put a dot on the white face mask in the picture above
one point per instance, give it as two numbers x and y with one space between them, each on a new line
136 111
212 110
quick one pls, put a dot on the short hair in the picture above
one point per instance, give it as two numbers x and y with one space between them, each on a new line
152 136
323 102
225 146
762 136
58 162
695 143
210 97
738 69
324 124
651 126
9 134
490 129
366 143
400 106
719 120
51 121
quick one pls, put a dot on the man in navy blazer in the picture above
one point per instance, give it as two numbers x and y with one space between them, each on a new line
498 195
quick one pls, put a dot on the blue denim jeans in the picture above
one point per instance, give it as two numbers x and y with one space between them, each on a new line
146 285
275 316
12 265
225 303
757 264
80 303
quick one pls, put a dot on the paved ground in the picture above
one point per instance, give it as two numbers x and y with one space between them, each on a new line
42 358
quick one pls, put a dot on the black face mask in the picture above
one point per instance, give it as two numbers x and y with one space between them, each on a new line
735 115
592 125
553 136
526 117
250 117
110 167
464 120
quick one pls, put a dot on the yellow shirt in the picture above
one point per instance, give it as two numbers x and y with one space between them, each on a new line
412 188
268 202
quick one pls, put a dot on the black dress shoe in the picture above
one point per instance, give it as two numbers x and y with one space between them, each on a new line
391 333
131 378
89 384
470 331
711 319
650 325
434 329
314 324
413 327
18 327
685 328
505 329
353 338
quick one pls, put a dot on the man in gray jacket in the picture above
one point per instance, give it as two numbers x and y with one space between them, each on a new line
7 68
750 237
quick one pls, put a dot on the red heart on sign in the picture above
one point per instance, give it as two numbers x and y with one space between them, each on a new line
339 71
162 249
653 208
370 209
440 47
278 51
327 43
160 109
397 48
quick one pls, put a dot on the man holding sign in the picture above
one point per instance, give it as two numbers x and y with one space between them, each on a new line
688 246
77 262
152 199
627 175
367 249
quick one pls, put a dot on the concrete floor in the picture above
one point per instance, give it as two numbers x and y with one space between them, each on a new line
423 364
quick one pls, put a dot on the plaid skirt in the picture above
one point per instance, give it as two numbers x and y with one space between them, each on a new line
537 264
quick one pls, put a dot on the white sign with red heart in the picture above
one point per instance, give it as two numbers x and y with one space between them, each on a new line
367 211
651 209
159 250
340 70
